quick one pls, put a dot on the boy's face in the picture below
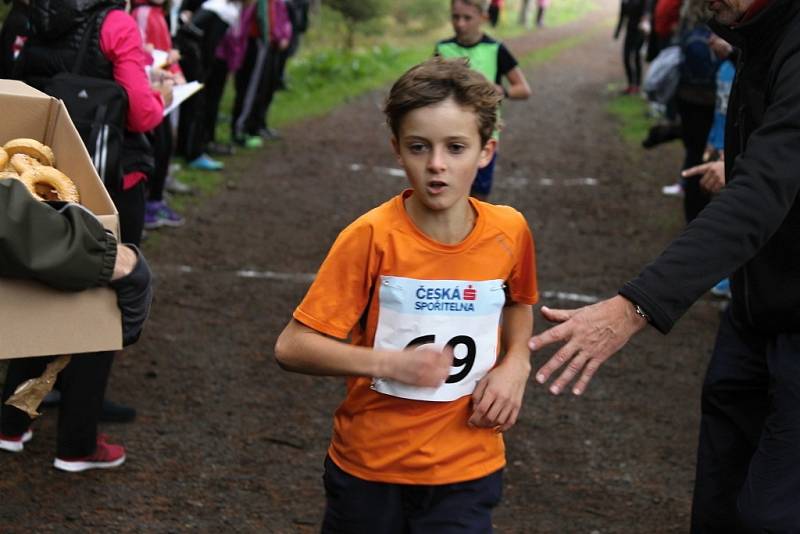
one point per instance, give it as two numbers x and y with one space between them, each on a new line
440 149
466 21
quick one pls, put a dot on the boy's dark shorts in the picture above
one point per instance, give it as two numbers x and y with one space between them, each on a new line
483 180
354 505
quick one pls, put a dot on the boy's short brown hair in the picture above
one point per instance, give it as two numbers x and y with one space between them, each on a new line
436 80
481 5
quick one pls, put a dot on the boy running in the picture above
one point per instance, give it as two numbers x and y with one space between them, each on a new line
408 305
487 56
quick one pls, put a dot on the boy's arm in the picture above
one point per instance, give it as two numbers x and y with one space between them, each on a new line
498 397
304 350
518 88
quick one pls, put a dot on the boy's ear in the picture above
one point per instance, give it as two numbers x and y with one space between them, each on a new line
396 150
487 152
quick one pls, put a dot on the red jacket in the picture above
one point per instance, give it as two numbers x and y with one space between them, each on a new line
666 17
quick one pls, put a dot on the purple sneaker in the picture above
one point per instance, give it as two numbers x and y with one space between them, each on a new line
158 214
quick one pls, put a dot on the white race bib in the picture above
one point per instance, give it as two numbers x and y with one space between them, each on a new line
437 313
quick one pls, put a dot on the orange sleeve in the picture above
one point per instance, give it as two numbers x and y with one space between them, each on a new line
523 287
342 288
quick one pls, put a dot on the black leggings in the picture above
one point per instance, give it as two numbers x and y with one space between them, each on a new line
632 56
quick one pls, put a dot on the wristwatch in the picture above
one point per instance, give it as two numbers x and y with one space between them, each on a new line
640 312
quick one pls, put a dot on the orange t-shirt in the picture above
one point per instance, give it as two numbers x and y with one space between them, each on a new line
386 438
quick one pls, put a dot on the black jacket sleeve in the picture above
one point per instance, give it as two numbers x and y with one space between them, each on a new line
763 185
67 249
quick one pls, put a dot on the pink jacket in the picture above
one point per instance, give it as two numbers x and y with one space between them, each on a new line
121 43
280 25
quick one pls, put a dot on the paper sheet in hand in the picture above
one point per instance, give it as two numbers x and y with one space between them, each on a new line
180 93
159 58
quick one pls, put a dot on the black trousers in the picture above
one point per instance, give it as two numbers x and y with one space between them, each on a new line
696 120
357 505
161 141
82 384
256 83
748 468
632 55
214 88
131 206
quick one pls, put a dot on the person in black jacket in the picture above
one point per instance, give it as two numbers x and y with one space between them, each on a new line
748 473
66 247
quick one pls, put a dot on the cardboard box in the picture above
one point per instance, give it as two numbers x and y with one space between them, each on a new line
36 320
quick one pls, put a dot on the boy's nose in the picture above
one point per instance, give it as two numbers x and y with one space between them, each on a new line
436 163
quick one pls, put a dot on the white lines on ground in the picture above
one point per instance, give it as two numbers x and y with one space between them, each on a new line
309 277
511 182
388 171
570 297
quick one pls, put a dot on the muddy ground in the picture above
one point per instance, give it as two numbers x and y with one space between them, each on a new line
225 440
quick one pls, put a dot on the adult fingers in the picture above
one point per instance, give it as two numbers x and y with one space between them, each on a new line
574 366
588 372
555 334
696 170
556 316
558 359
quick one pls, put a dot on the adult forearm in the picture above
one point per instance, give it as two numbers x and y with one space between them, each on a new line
67 249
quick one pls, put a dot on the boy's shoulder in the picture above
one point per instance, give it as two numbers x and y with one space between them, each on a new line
379 220
505 218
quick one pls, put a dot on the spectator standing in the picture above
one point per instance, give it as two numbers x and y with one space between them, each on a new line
747 477
495 9
68 249
541 7
632 13
151 20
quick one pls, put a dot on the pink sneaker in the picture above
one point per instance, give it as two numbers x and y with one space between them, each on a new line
15 443
107 455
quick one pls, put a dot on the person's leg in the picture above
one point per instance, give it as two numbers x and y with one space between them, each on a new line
460 508
627 58
270 86
131 207
769 498
734 406
356 505
696 122
251 92
214 87
636 52
161 141
83 386
15 422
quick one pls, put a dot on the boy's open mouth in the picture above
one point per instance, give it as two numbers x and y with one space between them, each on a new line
436 186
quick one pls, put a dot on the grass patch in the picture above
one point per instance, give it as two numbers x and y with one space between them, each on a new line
633 116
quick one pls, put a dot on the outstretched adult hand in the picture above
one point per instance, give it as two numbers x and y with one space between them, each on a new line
590 336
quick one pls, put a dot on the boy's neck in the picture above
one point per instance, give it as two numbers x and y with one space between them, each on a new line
470 41
449 227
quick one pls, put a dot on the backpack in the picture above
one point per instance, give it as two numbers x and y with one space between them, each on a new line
663 75
699 66
99 108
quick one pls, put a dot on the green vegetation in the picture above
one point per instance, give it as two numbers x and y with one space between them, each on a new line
633 117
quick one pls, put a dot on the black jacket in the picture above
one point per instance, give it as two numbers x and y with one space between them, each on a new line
752 228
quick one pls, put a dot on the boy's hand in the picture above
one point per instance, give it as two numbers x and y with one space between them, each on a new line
423 367
712 175
498 397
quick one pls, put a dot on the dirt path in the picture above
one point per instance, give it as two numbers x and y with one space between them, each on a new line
225 440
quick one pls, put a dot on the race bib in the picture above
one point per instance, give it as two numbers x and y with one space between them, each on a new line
437 313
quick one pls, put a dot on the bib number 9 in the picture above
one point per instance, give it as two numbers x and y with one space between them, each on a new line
465 362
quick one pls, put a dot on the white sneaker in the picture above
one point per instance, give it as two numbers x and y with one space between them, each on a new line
15 443
674 190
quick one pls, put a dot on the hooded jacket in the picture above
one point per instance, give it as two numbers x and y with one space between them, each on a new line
752 228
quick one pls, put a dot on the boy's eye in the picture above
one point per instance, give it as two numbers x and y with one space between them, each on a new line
457 148
417 148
